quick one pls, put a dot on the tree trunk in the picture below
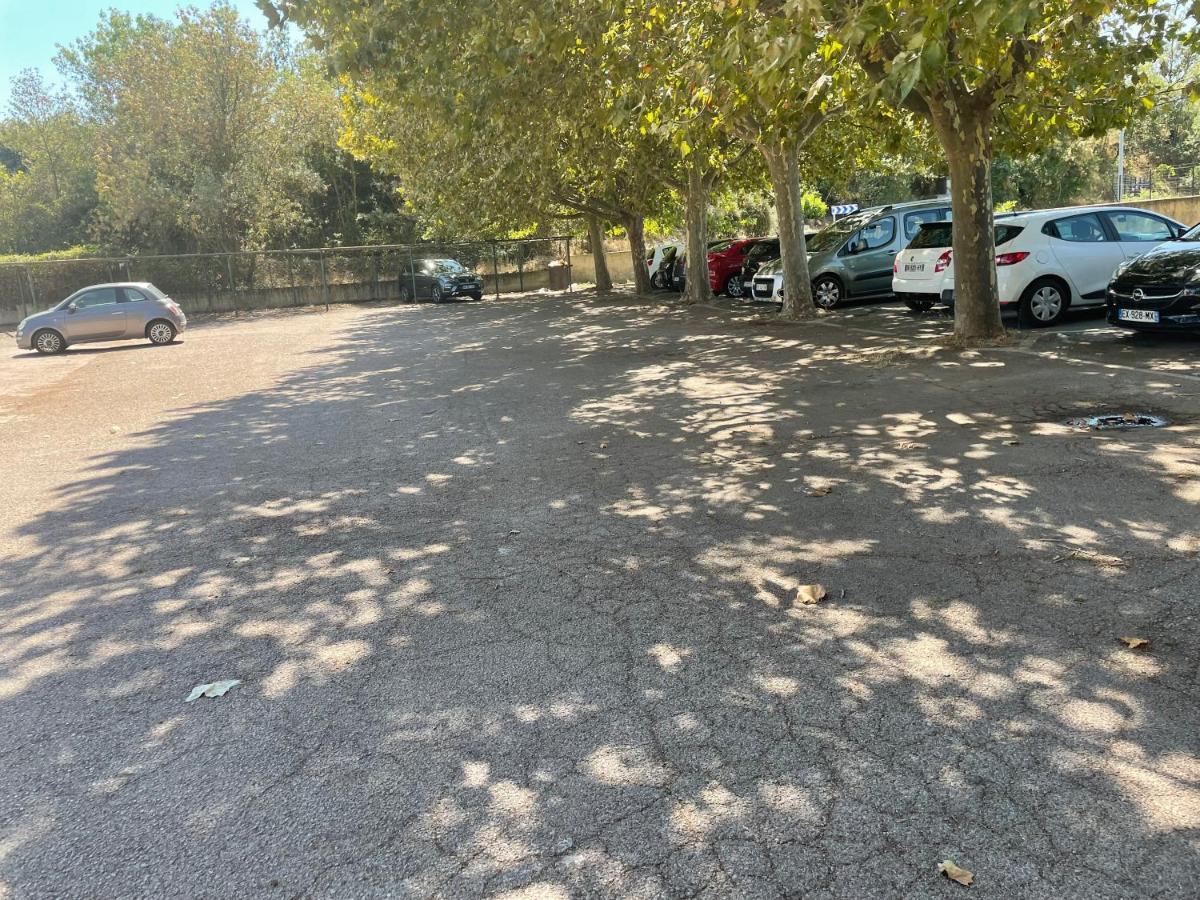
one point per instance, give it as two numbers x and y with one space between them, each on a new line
785 182
965 135
599 262
635 228
697 288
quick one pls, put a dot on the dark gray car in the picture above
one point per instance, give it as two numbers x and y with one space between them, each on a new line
125 310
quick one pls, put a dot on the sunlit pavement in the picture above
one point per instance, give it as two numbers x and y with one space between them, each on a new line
511 589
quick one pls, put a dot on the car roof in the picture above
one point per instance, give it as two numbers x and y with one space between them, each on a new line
1031 215
115 284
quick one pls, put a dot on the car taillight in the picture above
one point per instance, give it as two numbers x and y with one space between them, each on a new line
943 262
895 265
1010 259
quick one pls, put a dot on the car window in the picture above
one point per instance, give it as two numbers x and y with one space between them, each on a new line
133 295
1136 226
940 236
1005 233
1081 229
98 297
914 220
878 234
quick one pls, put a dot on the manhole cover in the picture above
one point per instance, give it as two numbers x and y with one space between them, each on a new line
1118 420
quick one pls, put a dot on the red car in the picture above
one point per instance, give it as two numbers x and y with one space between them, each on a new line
725 265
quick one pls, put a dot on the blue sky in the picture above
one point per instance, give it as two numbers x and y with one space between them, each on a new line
31 31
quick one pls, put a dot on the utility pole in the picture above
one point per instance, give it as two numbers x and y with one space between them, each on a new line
1120 193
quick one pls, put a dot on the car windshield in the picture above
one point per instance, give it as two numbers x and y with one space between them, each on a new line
833 236
449 266
719 246
1192 234
939 235
765 250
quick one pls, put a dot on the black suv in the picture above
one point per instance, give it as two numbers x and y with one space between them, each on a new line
438 280
1160 290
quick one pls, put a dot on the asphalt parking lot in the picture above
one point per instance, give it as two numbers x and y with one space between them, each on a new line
513 591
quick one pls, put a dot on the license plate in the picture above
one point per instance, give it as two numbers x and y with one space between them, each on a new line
1137 315
914 267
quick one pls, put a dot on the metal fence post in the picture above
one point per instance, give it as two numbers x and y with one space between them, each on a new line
33 301
374 277
570 274
521 268
229 282
324 280
496 269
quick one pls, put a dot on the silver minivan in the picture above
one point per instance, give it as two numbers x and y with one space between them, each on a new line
853 257
124 310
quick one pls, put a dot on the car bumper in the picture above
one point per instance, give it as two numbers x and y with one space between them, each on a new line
464 290
1176 311
25 340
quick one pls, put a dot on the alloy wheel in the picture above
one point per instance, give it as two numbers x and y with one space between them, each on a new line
161 333
49 342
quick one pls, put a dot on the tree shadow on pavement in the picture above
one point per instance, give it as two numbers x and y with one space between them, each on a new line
511 592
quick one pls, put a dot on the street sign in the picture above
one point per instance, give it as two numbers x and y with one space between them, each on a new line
843 209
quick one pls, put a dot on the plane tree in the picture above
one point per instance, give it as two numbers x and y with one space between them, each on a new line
989 74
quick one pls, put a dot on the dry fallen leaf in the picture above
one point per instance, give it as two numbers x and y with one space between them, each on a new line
213 689
818 491
1013 443
956 873
810 593
1134 642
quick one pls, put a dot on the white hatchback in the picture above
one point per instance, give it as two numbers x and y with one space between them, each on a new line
1046 261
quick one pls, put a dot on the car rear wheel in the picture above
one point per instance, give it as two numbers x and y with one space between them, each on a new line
49 341
918 305
1043 303
827 292
656 281
160 332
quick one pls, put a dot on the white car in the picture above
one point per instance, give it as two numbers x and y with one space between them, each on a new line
768 282
1046 262
654 263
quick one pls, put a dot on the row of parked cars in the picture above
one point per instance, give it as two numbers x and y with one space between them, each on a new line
1139 265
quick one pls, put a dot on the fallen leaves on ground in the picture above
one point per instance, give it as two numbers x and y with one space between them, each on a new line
818 491
212 689
1133 643
1012 443
1103 560
810 593
956 873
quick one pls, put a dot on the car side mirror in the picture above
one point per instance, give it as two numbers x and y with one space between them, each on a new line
71 308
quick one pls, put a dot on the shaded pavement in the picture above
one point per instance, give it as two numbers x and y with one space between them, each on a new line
510 588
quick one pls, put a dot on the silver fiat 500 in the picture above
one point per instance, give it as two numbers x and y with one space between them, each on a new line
104 312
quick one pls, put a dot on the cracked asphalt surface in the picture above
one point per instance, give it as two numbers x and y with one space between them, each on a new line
510 588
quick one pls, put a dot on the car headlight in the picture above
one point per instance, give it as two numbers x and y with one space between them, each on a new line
21 325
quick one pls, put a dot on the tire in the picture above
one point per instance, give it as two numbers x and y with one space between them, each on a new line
48 341
656 281
734 286
476 297
919 305
827 292
435 293
161 332
1043 303
406 295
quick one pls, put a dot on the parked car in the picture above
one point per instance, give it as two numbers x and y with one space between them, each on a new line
919 272
677 278
438 280
762 251
768 281
1065 258
104 312
725 261
1159 290
655 263
853 257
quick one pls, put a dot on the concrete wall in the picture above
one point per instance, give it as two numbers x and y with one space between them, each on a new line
620 266
1182 209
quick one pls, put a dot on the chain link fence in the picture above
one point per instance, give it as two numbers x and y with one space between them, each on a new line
275 279
1159 182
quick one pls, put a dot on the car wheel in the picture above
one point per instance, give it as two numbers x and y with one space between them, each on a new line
656 281
435 294
49 341
160 332
1043 303
919 305
827 292
476 296
406 295
733 286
